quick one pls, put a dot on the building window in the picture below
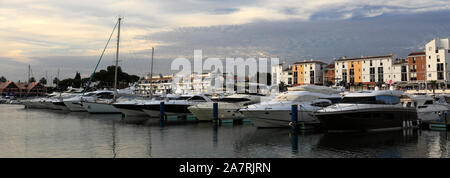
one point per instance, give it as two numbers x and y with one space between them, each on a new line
437 51
352 76
440 71
372 74
438 58
295 78
380 74
344 76
311 77
404 74
370 62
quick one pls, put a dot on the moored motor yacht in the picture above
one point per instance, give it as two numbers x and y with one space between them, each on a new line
367 111
173 105
228 107
131 106
101 104
428 109
74 103
277 112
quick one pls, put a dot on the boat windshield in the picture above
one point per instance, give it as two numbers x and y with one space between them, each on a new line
234 100
372 100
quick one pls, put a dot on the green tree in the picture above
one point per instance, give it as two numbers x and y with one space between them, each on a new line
43 81
3 79
77 80
31 80
433 85
55 80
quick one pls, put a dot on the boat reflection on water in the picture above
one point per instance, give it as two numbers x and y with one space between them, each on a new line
277 143
110 117
369 144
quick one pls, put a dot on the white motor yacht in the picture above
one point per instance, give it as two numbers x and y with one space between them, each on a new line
277 112
131 106
368 111
428 109
228 107
74 103
101 103
173 105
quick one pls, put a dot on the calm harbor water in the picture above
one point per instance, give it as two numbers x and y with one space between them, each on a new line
48 133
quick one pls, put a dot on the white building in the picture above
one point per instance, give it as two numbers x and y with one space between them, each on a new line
281 75
437 59
276 73
400 71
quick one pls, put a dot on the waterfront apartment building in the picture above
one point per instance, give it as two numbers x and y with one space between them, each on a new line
280 74
286 76
329 75
437 59
417 67
365 71
400 72
308 72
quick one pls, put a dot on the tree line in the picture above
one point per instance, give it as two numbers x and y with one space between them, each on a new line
101 79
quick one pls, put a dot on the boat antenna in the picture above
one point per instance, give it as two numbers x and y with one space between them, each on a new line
100 59
151 75
117 60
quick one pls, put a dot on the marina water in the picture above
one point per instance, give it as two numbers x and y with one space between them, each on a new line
49 133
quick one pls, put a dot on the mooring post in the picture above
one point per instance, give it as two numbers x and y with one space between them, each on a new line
161 111
216 111
294 114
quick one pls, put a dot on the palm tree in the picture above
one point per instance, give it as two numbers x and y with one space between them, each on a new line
433 84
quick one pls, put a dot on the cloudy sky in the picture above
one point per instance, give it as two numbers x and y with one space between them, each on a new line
70 35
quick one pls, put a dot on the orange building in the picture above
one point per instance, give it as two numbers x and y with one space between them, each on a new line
354 72
329 74
308 72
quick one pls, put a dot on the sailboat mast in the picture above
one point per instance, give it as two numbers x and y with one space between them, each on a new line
29 69
151 75
117 60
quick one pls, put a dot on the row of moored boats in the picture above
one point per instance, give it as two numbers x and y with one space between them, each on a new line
331 108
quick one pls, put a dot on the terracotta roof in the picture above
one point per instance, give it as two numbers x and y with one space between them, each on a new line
330 66
420 53
366 57
3 85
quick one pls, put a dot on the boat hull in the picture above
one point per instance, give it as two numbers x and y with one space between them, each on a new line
100 108
74 106
373 119
169 110
130 110
277 118
206 114
59 105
